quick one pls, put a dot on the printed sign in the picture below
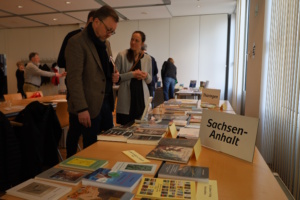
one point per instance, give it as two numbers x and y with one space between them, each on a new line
211 96
229 133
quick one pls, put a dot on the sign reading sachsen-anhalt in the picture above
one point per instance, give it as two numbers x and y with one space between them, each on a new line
229 133
224 132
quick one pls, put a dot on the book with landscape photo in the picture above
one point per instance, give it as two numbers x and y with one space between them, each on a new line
120 180
140 168
176 171
60 175
77 162
96 193
174 150
171 153
115 134
144 139
189 133
36 189
158 188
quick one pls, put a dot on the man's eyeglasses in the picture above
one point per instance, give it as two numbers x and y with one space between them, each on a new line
108 30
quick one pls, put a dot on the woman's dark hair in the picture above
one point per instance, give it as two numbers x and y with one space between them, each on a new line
130 54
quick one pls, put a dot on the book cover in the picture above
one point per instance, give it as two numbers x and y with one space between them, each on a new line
175 171
61 176
118 135
135 167
171 153
154 126
178 142
189 133
120 180
144 139
158 188
95 193
149 132
35 190
83 163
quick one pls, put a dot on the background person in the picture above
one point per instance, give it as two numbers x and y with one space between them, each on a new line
90 79
151 85
20 77
33 73
135 73
168 75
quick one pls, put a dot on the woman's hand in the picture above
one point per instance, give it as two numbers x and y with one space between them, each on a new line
115 76
140 75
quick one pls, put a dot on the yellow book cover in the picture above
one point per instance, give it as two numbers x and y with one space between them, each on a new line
159 188
207 191
83 163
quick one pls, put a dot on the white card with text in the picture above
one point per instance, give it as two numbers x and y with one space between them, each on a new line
211 96
229 133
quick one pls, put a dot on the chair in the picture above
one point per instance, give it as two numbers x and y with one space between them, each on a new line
30 94
9 97
39 137
63 118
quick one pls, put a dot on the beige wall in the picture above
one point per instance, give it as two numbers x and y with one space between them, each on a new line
16 44
179 37
254 67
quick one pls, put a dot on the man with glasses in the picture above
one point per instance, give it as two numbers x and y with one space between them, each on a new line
90 80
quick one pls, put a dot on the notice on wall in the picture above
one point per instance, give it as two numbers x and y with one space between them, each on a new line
211 96
229 133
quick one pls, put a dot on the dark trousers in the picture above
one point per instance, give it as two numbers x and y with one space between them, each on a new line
103 121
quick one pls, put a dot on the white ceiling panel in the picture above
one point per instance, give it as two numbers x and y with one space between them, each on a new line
17 22
202 7
28 7
156 12
61 5
129 3
60 19
43 11
80 15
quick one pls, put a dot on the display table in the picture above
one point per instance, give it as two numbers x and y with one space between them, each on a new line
236 179
17 105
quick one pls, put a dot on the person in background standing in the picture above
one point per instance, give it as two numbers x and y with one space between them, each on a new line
33 73
135 69
168 75
151 85
61 61
20 77
90 80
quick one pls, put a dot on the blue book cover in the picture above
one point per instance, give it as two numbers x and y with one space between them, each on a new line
118 180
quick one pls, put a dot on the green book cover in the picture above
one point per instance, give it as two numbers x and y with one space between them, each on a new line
90 164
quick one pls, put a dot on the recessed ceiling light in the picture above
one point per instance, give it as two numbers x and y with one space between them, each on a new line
54 19
68 2
20 6
198 6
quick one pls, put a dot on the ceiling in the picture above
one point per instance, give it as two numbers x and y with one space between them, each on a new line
38 13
